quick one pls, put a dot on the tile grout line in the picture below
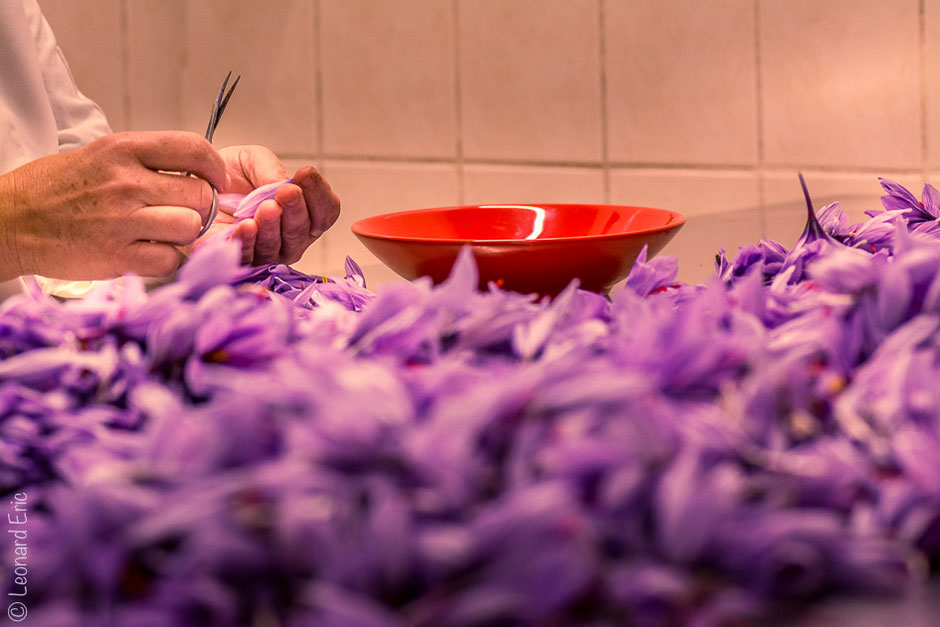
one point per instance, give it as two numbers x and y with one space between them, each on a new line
849 171
317 17
580 165
126 62
759 86
924 110
458 106
318 75
733 168
605 127
180 112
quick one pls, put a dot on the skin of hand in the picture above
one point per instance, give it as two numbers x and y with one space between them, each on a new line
111 207
282 228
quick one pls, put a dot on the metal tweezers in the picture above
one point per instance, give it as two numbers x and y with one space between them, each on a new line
218 107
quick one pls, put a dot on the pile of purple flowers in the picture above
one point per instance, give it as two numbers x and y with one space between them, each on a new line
259 446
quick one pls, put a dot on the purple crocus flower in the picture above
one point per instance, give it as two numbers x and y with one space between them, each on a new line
898 198
243 206
252 445
835 221
649 277
774 259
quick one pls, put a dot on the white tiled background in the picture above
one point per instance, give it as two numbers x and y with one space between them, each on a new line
708 107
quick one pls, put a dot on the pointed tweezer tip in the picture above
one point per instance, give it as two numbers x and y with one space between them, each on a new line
228 95
221 101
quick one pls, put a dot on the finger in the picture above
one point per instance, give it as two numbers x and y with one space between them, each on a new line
152 259
228 204
247 231
252 166
295 222
322 204
178 151
268 239
176 190
172 225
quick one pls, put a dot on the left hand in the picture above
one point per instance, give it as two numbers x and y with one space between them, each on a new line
283 228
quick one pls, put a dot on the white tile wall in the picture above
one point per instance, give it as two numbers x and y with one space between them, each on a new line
530 86
292 164
521 184
367 189
722 209
841 83
94 49
667 99
156 40
931 54
705 107
703 235
690 192
389 78
271 44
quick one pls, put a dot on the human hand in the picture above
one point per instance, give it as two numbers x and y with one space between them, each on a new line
110 207
282 228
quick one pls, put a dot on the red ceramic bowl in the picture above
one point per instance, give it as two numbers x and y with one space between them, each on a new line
527 248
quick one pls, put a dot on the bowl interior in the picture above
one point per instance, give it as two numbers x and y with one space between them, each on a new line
516 222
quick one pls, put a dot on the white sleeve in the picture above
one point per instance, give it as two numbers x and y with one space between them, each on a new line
78 119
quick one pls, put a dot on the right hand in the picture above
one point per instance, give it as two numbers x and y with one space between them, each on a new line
113 206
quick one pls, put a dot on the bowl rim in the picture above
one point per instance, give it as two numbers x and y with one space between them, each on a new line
676 221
